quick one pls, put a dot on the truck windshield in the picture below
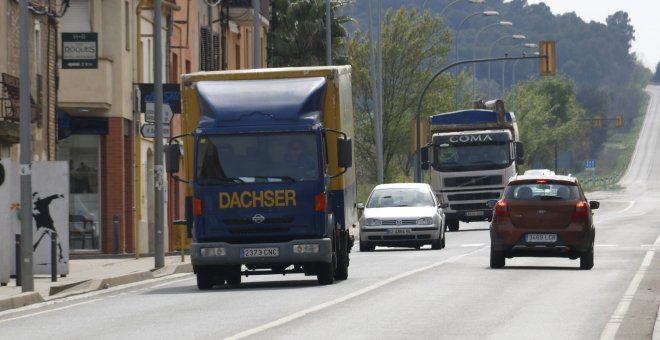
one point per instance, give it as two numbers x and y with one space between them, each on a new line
472 157
248 158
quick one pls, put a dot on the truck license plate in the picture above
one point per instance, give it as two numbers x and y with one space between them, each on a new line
260 252
543 238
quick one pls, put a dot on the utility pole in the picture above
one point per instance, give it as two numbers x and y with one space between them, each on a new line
256 6
159 249
328 34
27 254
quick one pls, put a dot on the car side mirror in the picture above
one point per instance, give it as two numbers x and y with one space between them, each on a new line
360 206
491 204
594 205
443 205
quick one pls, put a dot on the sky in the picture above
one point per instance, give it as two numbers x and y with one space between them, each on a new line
643 16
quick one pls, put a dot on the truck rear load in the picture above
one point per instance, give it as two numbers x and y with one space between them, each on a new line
268 153
473 154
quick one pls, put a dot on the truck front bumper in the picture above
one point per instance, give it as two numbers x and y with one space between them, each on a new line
293 252
470 215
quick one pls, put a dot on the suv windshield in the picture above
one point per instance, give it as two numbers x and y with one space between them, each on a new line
248 158
541 190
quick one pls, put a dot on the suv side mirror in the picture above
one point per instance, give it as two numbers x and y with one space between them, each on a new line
594 205
173 154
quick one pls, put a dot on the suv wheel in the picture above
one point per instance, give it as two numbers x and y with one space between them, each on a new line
587 259
497 259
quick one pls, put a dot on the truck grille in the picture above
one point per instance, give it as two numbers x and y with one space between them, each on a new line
258 230
472 181
474 196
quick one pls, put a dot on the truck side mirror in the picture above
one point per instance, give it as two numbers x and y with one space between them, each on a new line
344 152
424 152
2 174
173 154
520 152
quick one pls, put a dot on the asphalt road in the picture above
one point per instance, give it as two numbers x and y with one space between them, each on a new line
406 294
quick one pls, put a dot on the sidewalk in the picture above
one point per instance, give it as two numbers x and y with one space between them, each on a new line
90 274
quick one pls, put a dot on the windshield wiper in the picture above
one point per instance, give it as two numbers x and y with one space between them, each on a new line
281 178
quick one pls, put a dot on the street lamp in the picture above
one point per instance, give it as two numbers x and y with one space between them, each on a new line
513 78
457 1
527 45
458 31
490 52
474 50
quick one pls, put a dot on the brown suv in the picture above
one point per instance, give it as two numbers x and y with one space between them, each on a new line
542 216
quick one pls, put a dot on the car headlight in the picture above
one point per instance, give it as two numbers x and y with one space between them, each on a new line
372 222
425 221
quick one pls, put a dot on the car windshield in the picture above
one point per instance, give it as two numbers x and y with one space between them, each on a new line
249 158
469 157
542 190
400 197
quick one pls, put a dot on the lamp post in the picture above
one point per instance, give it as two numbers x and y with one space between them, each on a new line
513 77
474 51
458 31
527 45
490 52
457 1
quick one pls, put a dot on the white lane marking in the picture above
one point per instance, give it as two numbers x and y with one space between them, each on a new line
345 298
619 314
50 310
606 245
472 245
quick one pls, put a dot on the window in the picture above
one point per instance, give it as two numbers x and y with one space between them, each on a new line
77 18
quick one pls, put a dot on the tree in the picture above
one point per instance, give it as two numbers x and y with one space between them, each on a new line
297 33
414 46
656 76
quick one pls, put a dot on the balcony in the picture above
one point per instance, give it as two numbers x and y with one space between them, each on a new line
87 88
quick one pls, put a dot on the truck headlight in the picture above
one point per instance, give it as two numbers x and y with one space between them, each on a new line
424 221
218 251
305 248
372 222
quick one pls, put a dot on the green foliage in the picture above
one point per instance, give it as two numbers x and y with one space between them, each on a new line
656 75
297 34
548 114
414 45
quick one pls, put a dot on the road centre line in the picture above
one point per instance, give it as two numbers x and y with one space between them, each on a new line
621 309
322 306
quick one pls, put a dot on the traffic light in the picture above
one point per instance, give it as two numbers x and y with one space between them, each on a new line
598 122
618 121
548 65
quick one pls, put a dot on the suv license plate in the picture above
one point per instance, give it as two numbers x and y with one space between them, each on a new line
260 252
542 238
399 231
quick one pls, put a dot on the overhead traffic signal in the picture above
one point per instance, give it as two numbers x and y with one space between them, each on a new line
548 65
598 122
618 121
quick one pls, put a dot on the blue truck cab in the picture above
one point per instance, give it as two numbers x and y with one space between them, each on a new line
269 158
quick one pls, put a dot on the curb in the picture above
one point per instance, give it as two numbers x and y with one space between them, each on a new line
82 287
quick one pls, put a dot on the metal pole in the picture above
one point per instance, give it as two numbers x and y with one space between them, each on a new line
376 103
159 252
27 253
256 5
209 65
115 224
328 34
53 256
17 251
379 158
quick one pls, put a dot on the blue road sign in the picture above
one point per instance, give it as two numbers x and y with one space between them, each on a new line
589 163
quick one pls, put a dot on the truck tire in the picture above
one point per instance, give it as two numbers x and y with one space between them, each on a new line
497 259
233 275
341 273
452 225
205 278
326 273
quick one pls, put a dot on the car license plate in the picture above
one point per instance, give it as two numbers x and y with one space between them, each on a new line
399 231
474 213
542 238
260 252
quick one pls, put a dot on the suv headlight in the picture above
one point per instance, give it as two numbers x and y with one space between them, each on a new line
372 222
425 221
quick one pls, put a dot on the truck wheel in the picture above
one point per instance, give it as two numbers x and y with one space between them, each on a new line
341 273
326 273
452 225
587 259
497 259
205 279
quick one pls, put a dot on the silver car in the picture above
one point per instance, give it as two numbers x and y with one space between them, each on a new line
402 215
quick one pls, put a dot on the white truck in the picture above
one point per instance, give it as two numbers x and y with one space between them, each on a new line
472 155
